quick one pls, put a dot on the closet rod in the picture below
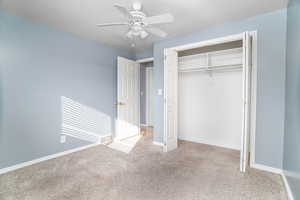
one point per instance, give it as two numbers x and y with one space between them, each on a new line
212 68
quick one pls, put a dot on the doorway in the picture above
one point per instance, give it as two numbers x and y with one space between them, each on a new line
146 92
135 98
182 85
146 96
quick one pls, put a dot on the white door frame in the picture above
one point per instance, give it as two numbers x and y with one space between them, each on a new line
145 60
149 96
141 61
253 78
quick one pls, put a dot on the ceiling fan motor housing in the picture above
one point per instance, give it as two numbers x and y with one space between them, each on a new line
137 24
137 18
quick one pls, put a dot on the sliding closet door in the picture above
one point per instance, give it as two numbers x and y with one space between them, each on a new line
170 99
246 97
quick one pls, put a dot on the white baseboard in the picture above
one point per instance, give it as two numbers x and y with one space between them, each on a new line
266 168
209 143
276 171
38 160
158 143
117 139
287 187
106 139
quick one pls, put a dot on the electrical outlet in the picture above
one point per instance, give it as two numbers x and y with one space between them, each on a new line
62 139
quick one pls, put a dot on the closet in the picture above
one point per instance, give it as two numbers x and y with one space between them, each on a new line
210 94
210 90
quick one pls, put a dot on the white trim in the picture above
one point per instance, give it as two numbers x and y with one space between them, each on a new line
253 97
157 143
208 42
281 173
211 144
139 95
117 139
149 95
267 168
42 159
244 158
165 100
287 187
145 60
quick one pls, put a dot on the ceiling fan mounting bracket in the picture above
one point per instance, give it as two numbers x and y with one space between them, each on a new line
137 6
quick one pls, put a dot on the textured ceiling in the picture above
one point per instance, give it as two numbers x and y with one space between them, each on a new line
80 16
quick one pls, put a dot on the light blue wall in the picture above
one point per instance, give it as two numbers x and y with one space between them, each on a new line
39 65
271 29
291 160
147 53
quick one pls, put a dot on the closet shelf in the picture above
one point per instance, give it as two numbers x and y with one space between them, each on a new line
212 68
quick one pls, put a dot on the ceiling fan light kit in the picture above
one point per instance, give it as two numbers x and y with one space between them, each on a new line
140 26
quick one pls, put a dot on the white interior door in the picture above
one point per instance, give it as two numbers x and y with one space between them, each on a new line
128 102
170 99
149 96
244 159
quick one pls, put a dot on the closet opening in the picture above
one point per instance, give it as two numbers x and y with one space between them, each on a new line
210 88
210 95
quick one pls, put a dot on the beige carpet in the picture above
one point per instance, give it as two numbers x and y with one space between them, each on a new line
192 172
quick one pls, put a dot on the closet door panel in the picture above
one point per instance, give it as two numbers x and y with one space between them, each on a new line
170 99
246 101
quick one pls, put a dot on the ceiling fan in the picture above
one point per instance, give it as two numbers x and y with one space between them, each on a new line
139 24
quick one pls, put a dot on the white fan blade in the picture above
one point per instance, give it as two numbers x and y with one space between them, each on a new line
156 31
112 24
123 10
159 19
129 34
144 34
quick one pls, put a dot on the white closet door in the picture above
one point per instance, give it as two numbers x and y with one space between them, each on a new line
246 97
170 99
128 120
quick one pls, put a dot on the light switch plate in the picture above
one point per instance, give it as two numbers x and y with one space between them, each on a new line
160 92
62 139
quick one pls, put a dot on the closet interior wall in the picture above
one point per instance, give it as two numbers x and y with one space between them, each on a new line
210 95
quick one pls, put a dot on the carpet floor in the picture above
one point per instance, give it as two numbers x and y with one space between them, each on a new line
192 172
